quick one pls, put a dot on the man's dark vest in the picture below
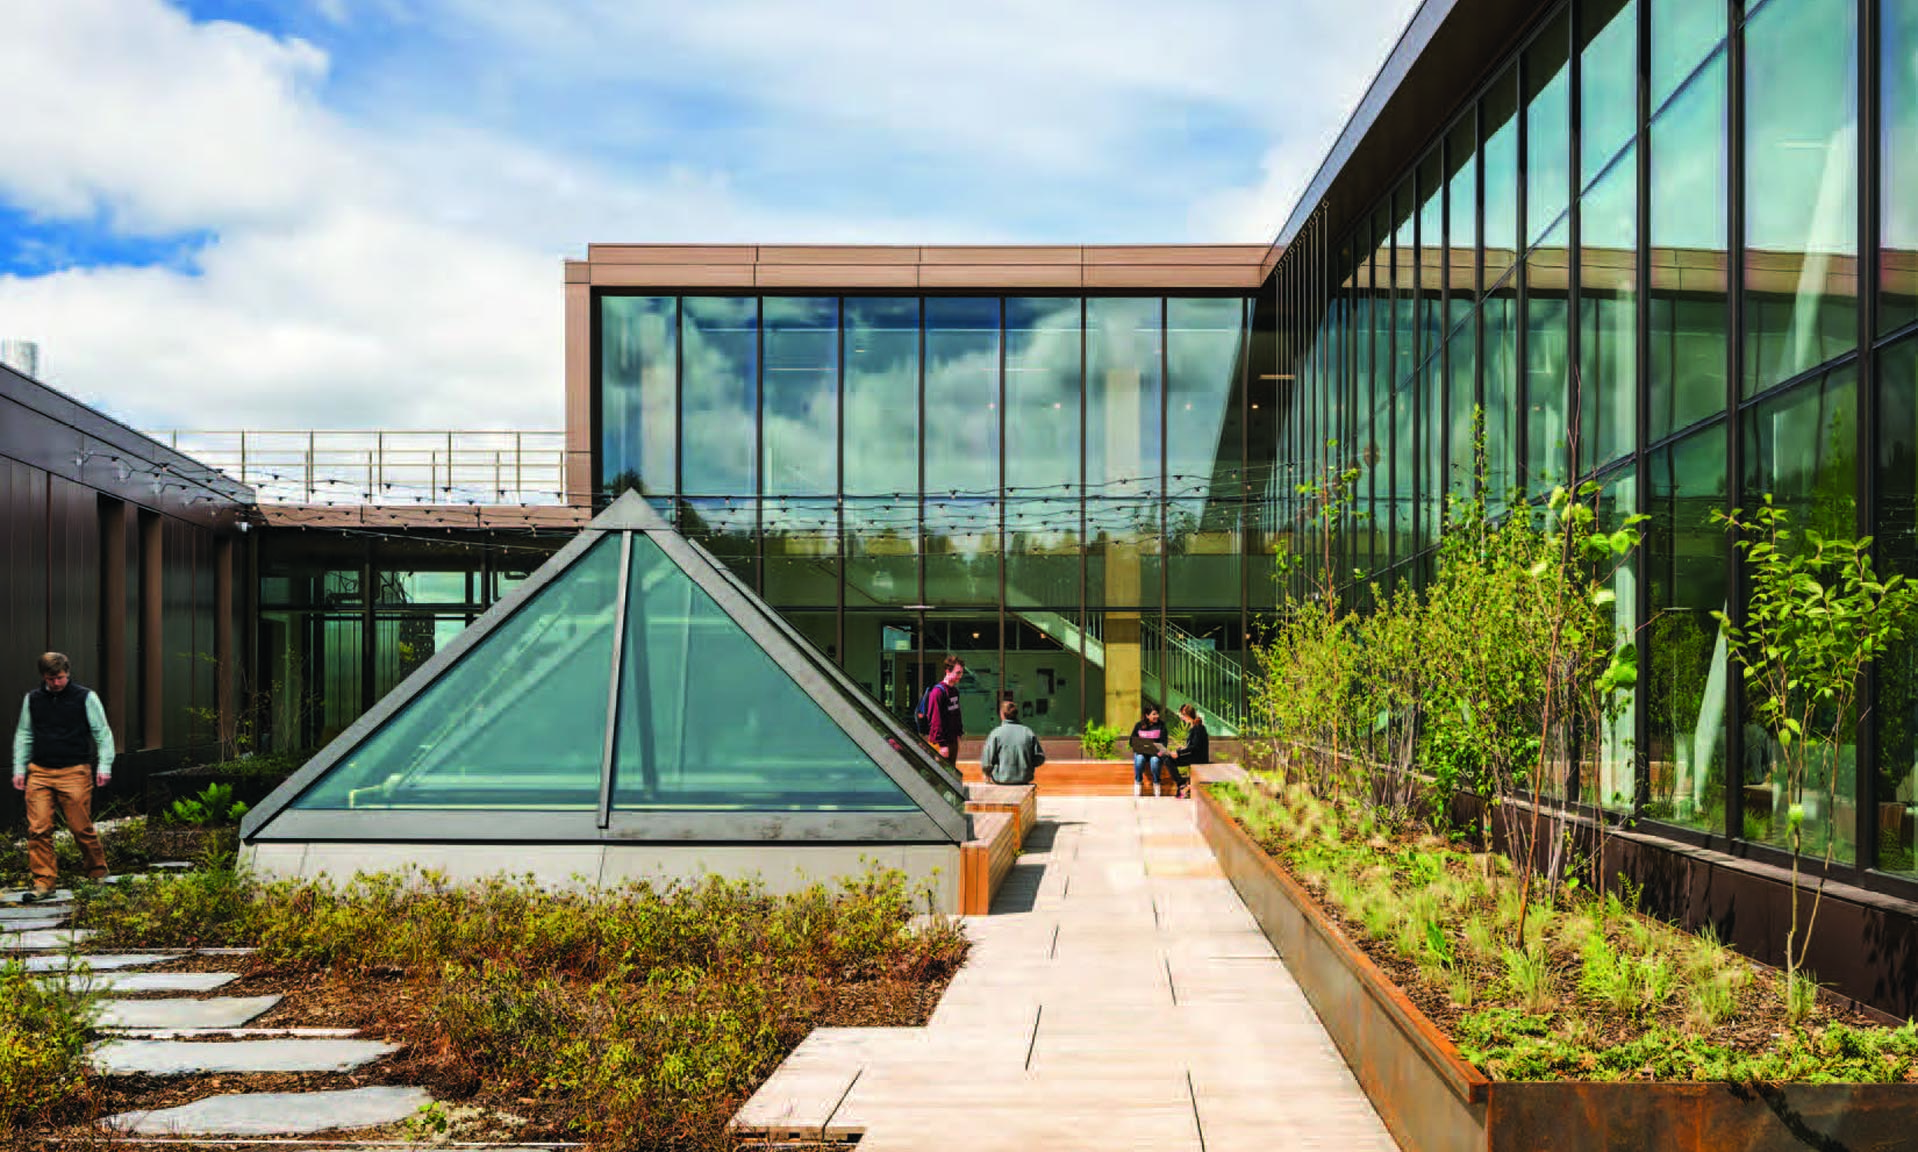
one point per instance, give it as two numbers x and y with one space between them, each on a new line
61 735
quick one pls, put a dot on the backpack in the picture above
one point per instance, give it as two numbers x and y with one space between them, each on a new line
922 715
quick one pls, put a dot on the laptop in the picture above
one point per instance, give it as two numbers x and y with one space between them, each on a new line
1144 747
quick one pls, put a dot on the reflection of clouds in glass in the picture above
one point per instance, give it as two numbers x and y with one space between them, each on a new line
882 396
1042 393
637 335
1203 338
801 394
1801 109
962 395
1900 152
1689 166
719 393
1122 395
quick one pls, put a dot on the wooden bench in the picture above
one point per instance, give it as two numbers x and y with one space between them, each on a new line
985 859
1078 777
1021 800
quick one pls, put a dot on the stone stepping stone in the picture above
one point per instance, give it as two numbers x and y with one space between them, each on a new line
189 1057
43 924
103 962
11 918
290 1033
42 940
275 1113
15 896
153 981
216 1012
226 951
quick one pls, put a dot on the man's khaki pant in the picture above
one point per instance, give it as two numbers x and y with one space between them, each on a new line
71 790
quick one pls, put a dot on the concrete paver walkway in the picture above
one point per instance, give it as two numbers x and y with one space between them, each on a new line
1119 996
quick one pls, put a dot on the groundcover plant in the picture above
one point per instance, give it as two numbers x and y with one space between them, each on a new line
1596 991
637 1017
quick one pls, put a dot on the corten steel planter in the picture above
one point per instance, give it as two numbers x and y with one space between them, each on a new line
1432 1100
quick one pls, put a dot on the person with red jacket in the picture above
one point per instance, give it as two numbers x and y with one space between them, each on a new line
942 709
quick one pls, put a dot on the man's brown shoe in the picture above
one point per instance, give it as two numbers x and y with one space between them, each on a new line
38 896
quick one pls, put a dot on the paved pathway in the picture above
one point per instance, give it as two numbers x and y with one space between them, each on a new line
1119 996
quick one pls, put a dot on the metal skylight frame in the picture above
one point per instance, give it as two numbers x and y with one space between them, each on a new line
938 793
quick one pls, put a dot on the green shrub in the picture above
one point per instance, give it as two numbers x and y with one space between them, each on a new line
1098 741
43 1038
212 808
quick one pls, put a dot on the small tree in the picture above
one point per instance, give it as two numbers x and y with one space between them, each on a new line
1816 615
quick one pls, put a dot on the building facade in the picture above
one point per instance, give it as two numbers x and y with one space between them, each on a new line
1049 462
129 557
1670 245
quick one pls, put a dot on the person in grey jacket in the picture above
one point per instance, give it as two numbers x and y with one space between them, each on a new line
1012 751
62 748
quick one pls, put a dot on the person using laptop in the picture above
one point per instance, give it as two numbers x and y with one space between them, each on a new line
1148 749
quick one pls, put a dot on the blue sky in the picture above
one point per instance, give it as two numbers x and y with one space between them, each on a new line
351 213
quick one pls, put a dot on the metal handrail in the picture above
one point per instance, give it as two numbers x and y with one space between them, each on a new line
1185 666
455 466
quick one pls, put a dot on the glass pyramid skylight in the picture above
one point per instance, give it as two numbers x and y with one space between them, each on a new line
629 690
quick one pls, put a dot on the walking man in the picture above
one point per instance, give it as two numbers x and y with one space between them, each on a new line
61 749
942 708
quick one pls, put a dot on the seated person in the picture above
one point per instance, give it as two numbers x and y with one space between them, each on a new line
1012 751
1197 750
1149 732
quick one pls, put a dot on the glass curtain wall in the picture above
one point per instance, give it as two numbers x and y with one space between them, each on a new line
1066 491
1660 289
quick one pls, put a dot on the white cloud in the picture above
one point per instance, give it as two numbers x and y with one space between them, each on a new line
399 265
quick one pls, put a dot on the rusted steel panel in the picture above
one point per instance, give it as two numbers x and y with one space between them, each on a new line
1403 1063
1588 1117
1428 1096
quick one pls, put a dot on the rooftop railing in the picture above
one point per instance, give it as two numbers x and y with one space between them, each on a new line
339 467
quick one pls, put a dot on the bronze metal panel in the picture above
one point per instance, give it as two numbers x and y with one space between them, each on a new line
1003 254
670 254
73 576
865 254
836 276
579 368
673 275
579 479
1428 1096
579 272
152 651
23 574
223 627
998 276
423 516
1176 254
113 616
1172 277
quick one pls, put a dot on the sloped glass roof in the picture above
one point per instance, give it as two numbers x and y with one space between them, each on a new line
629 690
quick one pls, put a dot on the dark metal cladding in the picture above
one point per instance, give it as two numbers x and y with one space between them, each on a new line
112 554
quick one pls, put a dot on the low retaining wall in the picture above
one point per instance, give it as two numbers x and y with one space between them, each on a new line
1433 1101
782 867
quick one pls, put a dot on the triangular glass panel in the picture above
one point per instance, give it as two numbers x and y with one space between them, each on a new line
518 723
709 721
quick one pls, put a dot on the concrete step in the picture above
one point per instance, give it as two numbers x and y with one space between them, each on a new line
213 1012
275 1113
147 981
194 1057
